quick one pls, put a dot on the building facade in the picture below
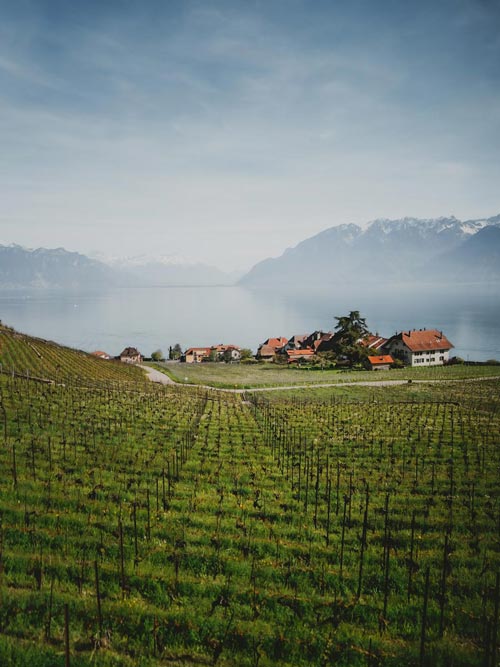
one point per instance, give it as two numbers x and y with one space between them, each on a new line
423 347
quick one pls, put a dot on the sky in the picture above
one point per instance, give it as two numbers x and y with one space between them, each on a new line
226 132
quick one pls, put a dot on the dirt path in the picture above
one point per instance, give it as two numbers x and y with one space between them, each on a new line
157 376
162 378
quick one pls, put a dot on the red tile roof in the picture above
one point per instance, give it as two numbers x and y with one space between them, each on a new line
373 342
276 342
203 350
427 339
384 359
306 352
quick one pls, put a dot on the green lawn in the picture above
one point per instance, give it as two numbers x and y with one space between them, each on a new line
271 375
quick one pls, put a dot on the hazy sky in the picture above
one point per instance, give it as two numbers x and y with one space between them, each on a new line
227 131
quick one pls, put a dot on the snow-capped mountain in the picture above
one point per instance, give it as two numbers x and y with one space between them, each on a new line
171 269
58 268
384 250
44 268
142 260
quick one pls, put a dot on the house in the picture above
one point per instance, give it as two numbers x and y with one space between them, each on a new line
296 342
226 352
326 343
373 342
277 343
423 347
315 339
293 356
380 363
196 355
265 352
131 355
269 347
100 354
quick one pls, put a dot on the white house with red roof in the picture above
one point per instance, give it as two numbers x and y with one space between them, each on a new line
422 347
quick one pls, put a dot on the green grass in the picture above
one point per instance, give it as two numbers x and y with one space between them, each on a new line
245 376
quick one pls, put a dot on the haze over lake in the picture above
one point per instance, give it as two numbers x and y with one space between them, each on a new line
156 317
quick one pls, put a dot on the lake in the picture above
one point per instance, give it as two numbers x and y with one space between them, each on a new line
155 317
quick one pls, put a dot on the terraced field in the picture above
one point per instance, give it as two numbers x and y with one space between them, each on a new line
44 360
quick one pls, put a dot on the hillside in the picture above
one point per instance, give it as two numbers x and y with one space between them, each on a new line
37 358
477 259
386 250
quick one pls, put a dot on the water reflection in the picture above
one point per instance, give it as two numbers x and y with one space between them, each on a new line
158 317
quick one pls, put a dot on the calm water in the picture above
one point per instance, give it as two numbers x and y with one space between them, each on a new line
151 318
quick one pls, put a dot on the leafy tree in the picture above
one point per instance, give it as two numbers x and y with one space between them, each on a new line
157 355
349 330
175 352
246 353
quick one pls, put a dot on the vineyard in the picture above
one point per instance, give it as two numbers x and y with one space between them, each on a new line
44 360
144 525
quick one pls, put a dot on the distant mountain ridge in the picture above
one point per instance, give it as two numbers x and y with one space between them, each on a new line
44 268
50 268
404 250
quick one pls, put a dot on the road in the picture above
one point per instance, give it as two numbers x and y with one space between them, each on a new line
157 376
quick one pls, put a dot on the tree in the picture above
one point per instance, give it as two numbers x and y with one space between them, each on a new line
157 355
350 328
246 353
349 331
175 352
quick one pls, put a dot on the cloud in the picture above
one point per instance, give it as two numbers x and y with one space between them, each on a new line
233 123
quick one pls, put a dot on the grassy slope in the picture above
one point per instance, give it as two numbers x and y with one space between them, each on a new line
271 375
47 360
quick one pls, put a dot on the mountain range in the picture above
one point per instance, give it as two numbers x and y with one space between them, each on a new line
386 251
58 268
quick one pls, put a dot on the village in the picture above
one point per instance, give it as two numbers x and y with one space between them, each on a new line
346 347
